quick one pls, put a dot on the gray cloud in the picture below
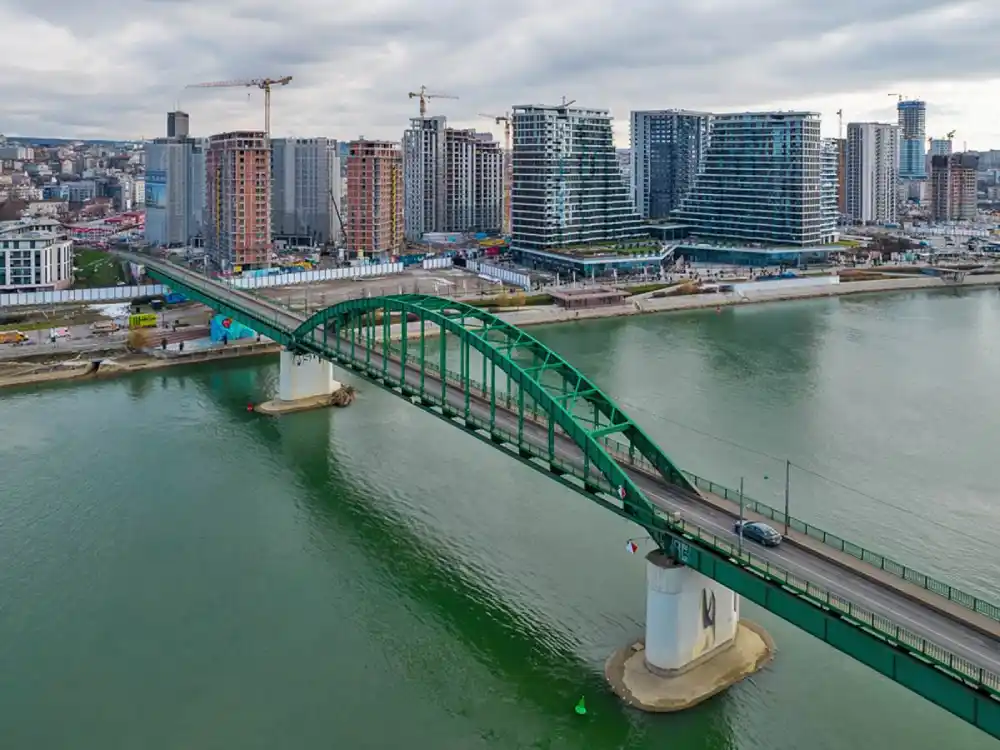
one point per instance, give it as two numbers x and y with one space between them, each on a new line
105 68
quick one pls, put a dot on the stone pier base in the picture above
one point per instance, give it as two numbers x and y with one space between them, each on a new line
634 682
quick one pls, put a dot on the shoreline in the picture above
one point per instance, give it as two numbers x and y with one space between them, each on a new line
62 371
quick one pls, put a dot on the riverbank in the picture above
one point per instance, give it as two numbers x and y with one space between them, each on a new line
647 304
98 366
18 373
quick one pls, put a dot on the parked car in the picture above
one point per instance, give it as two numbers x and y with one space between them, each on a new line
758 532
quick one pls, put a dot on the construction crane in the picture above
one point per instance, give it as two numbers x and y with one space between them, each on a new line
840 124
899 97
507 121
950 135
264 84
423 95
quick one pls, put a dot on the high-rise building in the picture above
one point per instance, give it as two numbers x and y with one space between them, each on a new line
177 124
374 214
445 189
913 135
488 185
762 180
953 187
424 176
938 147
174 190
841 176
668 147
830 186
872 172
238 198
567 189
305 194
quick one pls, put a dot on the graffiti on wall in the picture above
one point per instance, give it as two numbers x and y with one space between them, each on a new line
706 638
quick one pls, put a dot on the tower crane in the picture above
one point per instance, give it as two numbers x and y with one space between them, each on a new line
508 166
264 84
950 135
840 124
423 95
899 97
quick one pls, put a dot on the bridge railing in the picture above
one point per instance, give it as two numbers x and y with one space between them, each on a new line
904 572
957 666
621 452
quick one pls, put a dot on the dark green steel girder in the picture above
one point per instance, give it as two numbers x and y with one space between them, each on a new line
497 340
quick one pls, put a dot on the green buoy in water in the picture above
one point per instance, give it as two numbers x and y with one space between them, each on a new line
581 706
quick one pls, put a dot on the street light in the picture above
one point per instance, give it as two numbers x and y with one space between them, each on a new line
741 518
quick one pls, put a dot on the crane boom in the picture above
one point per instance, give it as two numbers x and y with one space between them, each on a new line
264 84
423 95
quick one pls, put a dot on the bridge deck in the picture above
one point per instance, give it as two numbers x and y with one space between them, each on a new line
960 631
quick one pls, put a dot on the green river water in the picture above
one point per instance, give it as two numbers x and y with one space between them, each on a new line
176 573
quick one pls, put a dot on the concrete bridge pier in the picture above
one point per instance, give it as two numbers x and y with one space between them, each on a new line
695 644
305 381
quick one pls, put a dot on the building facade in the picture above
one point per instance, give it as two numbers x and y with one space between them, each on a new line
424 176
668 147
872 172
567 189
830 187
953 187
305 190
842 177
177 124
374 200
453 179
238 198
763 181
174 190
487 193
35 261
912 123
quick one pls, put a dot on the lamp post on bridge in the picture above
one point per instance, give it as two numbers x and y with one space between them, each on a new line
788 470
740 544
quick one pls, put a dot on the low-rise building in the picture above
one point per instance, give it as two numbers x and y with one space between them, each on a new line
35 261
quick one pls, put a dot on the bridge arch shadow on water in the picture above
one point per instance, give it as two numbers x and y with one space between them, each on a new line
524 654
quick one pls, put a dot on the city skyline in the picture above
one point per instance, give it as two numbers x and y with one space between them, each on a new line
354 64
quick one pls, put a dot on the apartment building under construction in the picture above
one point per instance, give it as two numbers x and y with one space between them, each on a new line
238 200
453 179
953 187
374 197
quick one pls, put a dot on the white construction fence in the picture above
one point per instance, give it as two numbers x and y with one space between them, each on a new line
101 294
506 275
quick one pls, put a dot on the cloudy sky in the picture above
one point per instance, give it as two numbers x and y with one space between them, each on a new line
107 68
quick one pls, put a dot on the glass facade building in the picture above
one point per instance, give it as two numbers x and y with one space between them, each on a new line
765 178
567 188
913 135
667 151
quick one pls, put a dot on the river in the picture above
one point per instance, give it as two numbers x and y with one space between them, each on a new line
178 573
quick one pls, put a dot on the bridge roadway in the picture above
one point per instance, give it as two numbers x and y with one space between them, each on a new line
956 633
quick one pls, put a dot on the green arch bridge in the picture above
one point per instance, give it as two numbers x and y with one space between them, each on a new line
502 386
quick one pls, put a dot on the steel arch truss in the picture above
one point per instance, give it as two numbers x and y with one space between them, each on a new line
493 378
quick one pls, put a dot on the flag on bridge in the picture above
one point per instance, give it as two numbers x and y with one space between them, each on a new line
631 547
621 491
